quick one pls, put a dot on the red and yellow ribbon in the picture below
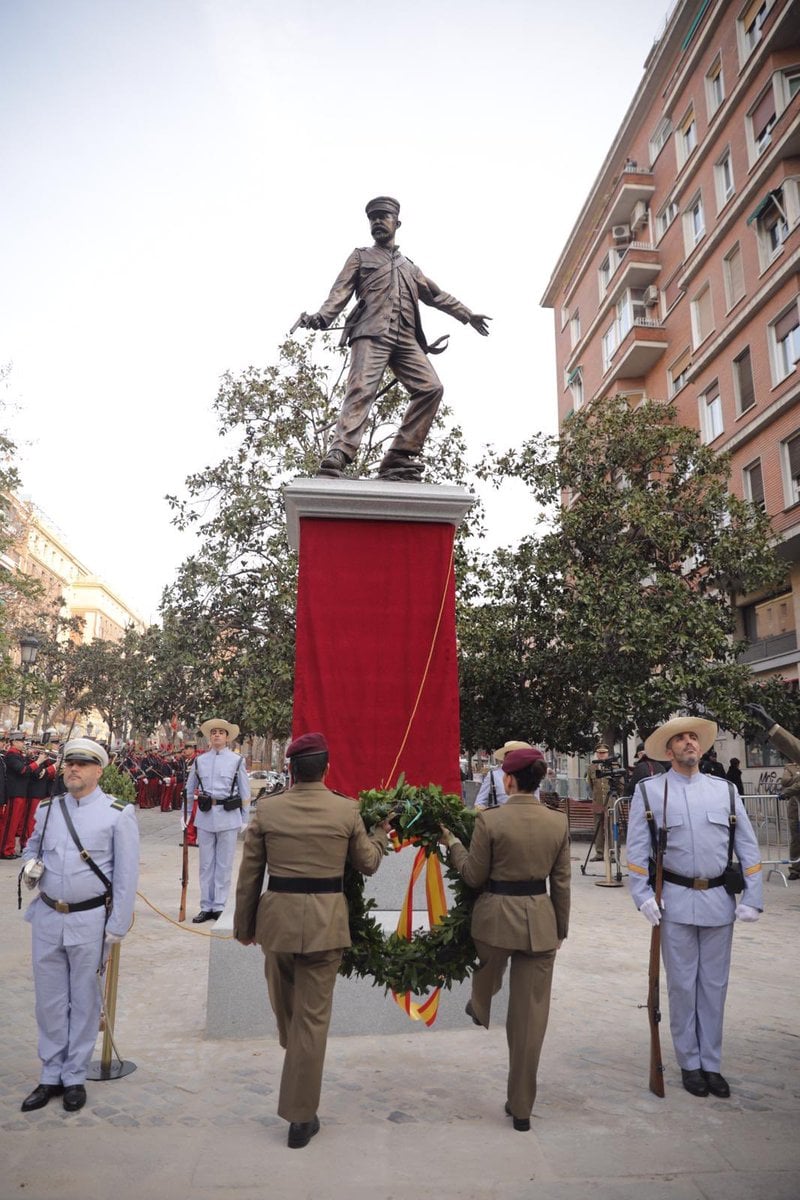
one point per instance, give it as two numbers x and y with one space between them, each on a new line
437 910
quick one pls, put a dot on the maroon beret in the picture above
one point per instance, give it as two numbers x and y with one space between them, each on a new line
307 743
516 760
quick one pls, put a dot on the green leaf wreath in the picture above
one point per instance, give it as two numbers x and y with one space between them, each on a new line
435 958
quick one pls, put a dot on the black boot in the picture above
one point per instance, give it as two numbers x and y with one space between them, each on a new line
401 465
334 464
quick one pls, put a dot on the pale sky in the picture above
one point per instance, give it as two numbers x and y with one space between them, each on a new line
180 178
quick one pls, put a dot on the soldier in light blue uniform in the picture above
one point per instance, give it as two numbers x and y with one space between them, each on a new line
75 917
697 913
219 777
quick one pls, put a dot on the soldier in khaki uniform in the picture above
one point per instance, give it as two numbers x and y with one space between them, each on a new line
515 849
302 838
599 790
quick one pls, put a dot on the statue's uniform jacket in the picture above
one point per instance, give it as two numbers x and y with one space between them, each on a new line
697 925
308 832
389 287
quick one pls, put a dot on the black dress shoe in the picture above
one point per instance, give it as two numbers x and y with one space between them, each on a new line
203 916
301 1133
40 1096
717 1085
334 465
695 1082
74 1097
470 1011
521 1124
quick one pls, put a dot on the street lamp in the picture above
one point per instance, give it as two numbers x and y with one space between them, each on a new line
28 651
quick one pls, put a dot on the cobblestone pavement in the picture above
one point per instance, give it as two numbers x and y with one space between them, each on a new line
411 1114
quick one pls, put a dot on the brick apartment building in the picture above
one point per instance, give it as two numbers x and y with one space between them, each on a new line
681 277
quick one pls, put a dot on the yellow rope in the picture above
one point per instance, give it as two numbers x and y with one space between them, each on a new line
221 937
426 672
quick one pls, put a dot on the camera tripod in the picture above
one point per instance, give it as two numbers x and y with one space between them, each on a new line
611 852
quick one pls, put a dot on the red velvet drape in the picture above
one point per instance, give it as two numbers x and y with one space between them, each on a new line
376 599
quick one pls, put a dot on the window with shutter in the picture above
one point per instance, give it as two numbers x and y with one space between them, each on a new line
743 381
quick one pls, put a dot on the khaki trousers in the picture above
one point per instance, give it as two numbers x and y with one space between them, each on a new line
301 994
528 1009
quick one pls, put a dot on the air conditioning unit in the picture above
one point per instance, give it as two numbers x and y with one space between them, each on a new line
621 233
639 215
651 296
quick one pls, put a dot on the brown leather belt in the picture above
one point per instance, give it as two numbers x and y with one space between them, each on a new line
699 885
296 883
517 887
80 906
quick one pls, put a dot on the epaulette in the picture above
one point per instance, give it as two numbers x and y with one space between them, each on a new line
46 803
342 794
121 805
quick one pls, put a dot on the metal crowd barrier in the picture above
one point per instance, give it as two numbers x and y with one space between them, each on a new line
770 819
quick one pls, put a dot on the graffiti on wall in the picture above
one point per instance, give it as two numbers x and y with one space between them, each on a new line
768 783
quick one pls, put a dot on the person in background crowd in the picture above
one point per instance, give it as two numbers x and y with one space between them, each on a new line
710 766
599 791
20 769
491 792
643 768
734 774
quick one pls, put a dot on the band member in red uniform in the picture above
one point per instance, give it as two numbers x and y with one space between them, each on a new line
40 785
19 769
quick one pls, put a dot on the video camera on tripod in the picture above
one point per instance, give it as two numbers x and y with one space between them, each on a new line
609 768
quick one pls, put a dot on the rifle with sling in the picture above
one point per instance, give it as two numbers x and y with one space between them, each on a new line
659 840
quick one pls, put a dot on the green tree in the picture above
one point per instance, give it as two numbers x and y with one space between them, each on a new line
622 611
230 612
18 592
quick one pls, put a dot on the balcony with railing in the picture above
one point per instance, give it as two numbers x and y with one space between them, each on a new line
636 350
634 184
776 646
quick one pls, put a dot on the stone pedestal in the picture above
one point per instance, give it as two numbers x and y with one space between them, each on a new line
387 548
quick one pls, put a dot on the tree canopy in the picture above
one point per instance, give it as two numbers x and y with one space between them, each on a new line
621 611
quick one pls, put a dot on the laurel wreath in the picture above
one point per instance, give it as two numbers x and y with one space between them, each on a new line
432 958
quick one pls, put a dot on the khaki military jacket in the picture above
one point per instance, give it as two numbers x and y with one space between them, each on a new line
521 840
309 832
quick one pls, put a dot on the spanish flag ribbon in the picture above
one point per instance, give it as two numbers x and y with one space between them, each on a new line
436 898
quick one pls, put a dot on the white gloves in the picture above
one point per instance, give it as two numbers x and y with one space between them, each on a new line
744 912
113 938
650 911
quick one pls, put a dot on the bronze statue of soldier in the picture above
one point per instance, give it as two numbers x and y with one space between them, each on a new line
384 329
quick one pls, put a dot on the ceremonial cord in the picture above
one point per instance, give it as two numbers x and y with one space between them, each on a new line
220 937
426 671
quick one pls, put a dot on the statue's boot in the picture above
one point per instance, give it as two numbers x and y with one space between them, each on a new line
401 465
334 464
